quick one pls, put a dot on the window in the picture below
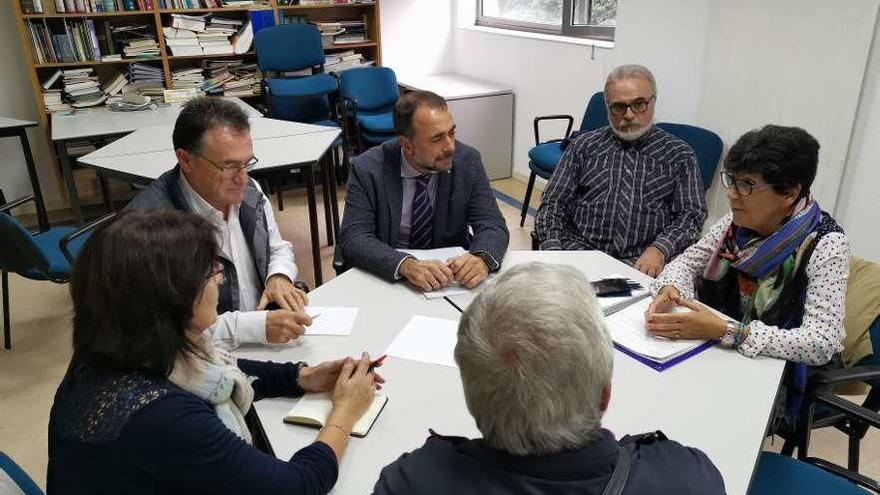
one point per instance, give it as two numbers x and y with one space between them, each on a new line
577 18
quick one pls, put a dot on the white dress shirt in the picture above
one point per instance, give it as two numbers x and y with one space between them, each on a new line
245 325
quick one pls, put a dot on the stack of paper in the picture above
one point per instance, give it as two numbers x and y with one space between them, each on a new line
339 62
52 101
82 88
145 80
187 78
627 328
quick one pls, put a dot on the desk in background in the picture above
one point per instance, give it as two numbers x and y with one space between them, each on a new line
18 128
100 122
718 401
144 155
483 113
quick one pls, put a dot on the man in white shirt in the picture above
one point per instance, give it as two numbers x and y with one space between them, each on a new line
214 153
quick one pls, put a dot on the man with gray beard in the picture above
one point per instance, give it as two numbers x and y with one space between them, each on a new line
629 189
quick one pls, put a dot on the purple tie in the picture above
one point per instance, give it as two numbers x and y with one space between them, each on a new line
422 224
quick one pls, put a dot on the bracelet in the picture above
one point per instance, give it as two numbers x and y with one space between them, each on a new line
738 336
344 432
299 367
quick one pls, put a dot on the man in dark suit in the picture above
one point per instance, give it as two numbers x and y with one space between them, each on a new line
422 190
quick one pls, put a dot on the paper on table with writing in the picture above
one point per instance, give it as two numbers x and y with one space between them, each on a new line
426 339
611 305
627 328
331 320
441 254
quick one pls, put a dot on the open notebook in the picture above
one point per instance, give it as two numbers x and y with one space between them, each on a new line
313 409
627 328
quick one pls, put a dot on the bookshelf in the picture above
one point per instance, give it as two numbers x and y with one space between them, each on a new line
154 16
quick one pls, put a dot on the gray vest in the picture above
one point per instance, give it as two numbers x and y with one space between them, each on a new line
164 194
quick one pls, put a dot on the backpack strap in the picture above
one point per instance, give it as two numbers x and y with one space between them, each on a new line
620 475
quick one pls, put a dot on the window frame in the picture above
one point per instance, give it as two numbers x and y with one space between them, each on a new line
600 33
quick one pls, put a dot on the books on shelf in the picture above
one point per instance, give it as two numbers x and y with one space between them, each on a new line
207 35
338 62
323 2
136 40
94 6
342 32
210 4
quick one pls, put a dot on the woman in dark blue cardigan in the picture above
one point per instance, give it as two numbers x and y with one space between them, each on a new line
148 405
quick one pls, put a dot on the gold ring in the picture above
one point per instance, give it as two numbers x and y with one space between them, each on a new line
676 335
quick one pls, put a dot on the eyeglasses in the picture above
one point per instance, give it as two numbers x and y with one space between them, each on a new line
619 108
231 169
744 187
217 273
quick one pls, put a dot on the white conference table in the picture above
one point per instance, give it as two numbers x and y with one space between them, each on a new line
143 155
100 122
717 401
420 395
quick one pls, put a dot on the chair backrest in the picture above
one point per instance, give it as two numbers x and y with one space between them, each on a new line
373 88
302 99
20 481
18 251
289 47
706 145
596 114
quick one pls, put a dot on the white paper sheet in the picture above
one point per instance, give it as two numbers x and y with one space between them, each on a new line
331 320
441 254
426 339
627 328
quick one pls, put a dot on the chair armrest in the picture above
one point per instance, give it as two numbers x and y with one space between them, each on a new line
536 246
63 243
844 375
848 408
538 120
347 102
299 284
16 203
339 264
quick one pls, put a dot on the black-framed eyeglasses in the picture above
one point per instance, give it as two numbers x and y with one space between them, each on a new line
217 271
744 187
641 105
231 169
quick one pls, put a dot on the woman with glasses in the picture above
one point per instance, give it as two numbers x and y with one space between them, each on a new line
149 405
776 264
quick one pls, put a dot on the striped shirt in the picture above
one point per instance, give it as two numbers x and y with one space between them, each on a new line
622 197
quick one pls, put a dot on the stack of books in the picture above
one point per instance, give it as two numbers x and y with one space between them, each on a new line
355 32
338 62
208 4
187 78
145 80
181 42
247 82
329 31
215 37
52 101
138 40
82 88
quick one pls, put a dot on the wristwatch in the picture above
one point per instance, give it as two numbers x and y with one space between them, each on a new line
729 334
487 259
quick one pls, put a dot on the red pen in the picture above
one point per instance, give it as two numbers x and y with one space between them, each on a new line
378 362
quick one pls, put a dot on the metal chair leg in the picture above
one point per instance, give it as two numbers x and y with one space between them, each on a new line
7 334
525 208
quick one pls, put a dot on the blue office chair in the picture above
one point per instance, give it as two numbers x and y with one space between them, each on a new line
297 47
45 255
20 480
781 475
545 156
367 101
706 144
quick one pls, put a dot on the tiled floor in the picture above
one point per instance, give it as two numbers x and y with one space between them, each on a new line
41 313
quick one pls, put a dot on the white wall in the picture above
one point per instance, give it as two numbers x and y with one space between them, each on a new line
552 77
17 101
788 62
857 208
417 35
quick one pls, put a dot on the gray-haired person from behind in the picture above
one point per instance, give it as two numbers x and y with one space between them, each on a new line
536 361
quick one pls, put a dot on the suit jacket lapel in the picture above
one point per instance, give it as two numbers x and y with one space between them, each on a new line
393 190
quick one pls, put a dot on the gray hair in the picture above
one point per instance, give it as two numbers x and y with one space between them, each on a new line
534 355
631 71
